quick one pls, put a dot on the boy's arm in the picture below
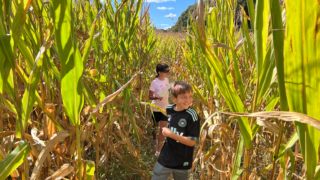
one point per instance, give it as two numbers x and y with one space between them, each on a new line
182 139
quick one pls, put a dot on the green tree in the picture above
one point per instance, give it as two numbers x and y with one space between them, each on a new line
183 19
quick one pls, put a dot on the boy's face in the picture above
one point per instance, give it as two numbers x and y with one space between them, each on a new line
183 101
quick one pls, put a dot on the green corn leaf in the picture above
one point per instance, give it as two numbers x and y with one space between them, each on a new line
87 48
282 163
2 78
278 43
271 105
261 33
70 59
267 75
292 159
163 111
284 150
7 76
7 72
226 88
44 12
134 127
37 7
7 10
92 100
294 138
89 14
95 122
102 95
127 96
236 64
152 45
302 77
134 19
19 20
97 3
24 79
251 13
9 106
14 159
236 171
266 169
2 22
32 35
232 99
26 53
255 129
245 31
90 167
21 74
29 97
317 175
230 17
53 68
123 47
6 46
136 102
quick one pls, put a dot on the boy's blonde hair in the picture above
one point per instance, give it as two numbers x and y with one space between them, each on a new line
180 87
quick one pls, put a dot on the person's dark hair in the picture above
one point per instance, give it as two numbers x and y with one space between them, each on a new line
180 87
160 68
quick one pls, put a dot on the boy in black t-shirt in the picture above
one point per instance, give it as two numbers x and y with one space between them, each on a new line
182 133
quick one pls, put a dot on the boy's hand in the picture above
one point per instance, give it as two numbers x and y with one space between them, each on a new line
166 132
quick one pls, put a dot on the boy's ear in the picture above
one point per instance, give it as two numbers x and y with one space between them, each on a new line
173 98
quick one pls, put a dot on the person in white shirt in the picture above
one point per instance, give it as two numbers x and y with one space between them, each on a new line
159 83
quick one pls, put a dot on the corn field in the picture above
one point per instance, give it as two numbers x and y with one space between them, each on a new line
75 76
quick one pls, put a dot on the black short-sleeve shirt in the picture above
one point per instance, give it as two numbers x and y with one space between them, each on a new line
176 155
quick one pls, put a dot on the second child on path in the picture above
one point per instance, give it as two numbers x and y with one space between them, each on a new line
159 119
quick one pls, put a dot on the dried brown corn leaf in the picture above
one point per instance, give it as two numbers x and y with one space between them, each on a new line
284 115
82 35
271 126
124 162
113 95
65 170
34 149
6 133
56 138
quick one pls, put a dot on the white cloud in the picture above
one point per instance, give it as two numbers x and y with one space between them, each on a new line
159 1
165 8
170 15
162 8
167 27
164 24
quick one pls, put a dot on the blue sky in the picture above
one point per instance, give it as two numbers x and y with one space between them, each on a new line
165 13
